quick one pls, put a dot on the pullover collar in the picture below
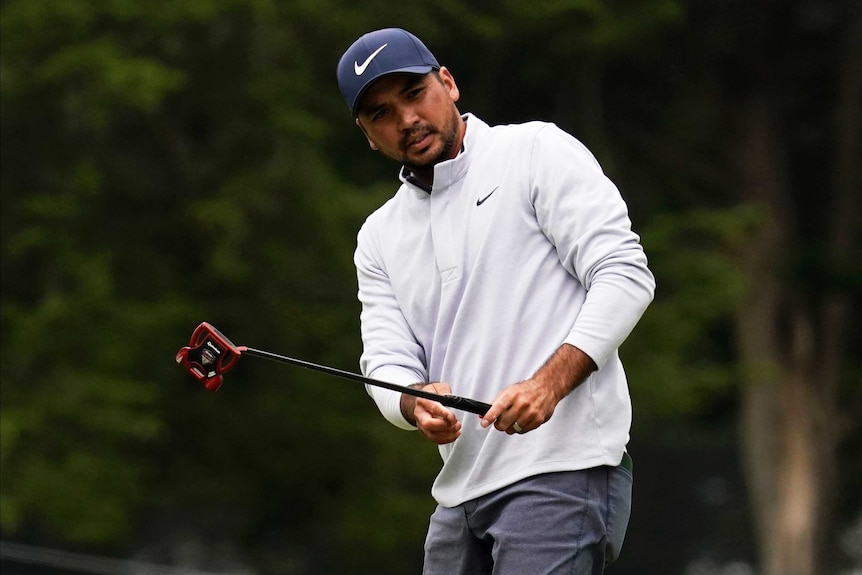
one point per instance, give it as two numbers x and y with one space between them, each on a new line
451 171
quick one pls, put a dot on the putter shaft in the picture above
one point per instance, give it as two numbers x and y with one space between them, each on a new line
462 403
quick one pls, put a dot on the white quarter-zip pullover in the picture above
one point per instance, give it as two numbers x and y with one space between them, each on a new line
521 245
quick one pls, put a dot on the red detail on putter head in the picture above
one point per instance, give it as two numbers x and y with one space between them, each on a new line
213 383
209 355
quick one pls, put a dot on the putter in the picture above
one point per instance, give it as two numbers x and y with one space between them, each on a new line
210 355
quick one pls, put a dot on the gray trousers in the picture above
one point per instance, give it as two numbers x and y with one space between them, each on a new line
570 523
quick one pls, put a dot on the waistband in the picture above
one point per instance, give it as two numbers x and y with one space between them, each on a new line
627 463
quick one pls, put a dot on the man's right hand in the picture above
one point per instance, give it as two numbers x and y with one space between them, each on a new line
433 420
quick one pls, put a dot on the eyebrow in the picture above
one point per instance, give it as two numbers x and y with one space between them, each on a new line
410 82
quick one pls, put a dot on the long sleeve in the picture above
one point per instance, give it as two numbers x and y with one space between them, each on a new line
391 352
583 215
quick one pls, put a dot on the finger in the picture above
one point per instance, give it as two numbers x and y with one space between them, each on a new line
437 424
517 428
443 439
433 415
439 430
447 435
436 410
498 408
507 416
506 422
516 419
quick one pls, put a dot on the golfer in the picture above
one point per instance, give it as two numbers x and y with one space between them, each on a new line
503 269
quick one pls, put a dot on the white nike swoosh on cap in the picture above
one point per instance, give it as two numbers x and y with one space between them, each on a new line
361 69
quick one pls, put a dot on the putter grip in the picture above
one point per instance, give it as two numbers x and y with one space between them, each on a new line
465 404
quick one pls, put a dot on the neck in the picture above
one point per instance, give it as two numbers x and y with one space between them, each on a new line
424 174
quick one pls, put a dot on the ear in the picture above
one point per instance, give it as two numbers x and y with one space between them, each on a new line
370 142
449 83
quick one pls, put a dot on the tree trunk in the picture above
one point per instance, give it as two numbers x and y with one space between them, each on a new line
792 344
780 436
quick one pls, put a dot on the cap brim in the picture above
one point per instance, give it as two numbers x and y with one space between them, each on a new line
416 70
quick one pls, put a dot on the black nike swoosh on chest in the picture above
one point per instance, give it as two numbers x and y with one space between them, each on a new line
481 201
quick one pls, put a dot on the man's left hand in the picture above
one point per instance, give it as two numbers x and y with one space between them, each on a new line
529 403
526 405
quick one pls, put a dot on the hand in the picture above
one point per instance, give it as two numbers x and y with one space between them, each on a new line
434 420
530 403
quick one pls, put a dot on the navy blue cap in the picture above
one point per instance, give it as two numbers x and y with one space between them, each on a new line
378 54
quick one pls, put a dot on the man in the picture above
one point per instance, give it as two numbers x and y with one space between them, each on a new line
503 269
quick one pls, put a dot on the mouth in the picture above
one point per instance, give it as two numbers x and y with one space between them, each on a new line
417 142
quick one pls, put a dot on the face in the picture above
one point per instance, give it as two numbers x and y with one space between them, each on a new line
413 119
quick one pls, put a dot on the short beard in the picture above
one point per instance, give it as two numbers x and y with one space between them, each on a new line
449 134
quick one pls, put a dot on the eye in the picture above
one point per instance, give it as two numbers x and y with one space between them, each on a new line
414 93
379 114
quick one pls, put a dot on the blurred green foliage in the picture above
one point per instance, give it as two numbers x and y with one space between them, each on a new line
165 163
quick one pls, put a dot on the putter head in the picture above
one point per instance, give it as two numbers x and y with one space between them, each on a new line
208 356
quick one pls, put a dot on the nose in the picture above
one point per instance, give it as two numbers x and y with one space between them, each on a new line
408 117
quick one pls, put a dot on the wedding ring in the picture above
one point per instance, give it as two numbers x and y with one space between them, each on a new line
517 428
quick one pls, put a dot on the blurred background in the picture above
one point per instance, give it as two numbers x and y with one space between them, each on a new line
166 163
